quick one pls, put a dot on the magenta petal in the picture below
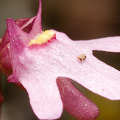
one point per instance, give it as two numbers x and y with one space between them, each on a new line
5 64
17 43
25 23
75 102
5 40
16 37
15 32
48 97
37 27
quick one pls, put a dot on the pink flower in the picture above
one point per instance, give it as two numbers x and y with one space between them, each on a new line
39 58
83 109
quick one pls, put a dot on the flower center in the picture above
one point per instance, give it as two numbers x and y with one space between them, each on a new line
43 38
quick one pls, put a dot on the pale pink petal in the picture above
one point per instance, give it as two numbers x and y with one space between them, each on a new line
37 68
105 44
40 85
62 58
44 96
75 102
43 93
92 73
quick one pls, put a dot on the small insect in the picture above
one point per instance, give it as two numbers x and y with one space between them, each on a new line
81 57
43 38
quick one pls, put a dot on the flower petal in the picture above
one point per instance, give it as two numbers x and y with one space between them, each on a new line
44 97
106 44
25 23
75 102
18 39
5 63
40 84
92 73
37 27
15 31
17 43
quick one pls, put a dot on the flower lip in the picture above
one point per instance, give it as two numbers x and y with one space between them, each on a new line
43 38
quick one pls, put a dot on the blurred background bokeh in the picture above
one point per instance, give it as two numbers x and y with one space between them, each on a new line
80 20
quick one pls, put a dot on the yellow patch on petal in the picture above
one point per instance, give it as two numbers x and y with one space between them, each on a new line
42 38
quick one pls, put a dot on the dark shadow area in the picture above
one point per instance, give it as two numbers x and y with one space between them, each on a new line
110 58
